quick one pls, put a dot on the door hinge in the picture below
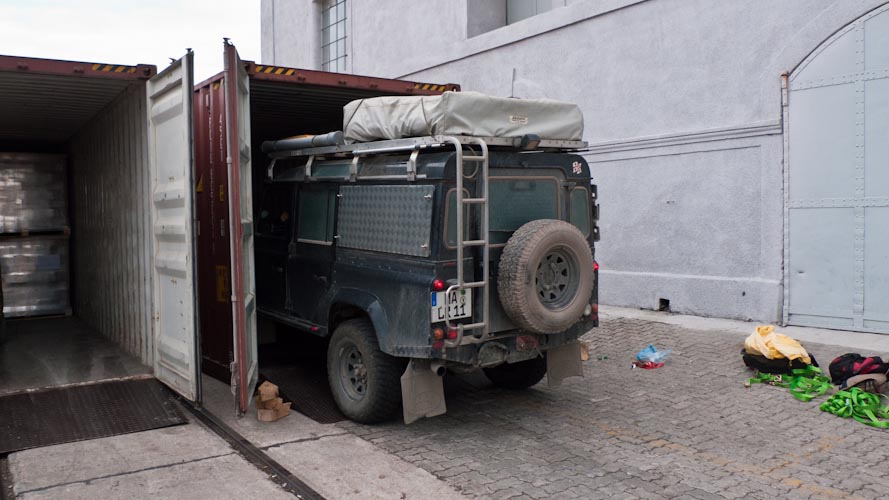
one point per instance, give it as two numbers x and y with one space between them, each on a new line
233 369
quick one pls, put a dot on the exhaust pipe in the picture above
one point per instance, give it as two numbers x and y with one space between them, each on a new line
438 368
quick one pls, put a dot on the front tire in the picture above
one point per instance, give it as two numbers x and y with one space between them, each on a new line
517 376
365 381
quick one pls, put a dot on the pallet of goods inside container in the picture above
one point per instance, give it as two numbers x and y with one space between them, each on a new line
33 193
35 275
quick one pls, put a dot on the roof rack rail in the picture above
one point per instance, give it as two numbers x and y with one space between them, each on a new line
524 143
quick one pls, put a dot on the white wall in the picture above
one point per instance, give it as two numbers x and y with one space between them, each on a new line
287 28
682 101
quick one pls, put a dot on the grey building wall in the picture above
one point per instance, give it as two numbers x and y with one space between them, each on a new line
683 108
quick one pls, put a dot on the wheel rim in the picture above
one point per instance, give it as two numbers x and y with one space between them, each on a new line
556 280
353 372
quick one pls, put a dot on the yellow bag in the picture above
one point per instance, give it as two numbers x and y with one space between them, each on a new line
765 342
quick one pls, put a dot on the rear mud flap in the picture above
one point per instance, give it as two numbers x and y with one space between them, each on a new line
422 391
563 362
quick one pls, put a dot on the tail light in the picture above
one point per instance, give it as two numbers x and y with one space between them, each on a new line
596 266
438 285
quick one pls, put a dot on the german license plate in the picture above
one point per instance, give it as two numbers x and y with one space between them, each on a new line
457 304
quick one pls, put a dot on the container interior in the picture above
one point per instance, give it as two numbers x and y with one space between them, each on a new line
278 109
80 238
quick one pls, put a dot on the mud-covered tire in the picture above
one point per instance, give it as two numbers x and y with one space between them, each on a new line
517 376
546 276
354 344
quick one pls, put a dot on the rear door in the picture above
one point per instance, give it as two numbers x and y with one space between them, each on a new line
237 106
171 162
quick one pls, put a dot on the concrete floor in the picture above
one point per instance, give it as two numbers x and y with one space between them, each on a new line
46 352
186 461
333 461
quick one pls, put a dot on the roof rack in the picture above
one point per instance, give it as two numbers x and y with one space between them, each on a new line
525 143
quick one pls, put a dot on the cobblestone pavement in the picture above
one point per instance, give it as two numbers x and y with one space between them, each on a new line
688 430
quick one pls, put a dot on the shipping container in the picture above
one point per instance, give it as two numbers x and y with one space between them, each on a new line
160 183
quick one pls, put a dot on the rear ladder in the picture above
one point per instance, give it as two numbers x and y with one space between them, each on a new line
480 200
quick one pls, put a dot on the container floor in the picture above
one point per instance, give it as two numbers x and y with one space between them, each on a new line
48 352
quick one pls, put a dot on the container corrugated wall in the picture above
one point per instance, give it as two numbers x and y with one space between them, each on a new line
110 246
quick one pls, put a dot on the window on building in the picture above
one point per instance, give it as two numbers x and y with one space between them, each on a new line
333 35
516 10
489 15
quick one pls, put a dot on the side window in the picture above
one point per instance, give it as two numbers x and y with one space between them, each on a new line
276 207
451 218
316 210
580 210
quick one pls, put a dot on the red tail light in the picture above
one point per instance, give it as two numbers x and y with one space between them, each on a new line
451 335
438 285
595 266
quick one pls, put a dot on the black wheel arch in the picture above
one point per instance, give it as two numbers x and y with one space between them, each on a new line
350 303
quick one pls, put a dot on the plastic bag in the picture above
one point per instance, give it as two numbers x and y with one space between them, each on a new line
650 354
765 342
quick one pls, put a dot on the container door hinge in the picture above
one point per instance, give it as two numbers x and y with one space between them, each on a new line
233 369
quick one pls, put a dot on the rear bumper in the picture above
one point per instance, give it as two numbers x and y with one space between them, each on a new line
511 346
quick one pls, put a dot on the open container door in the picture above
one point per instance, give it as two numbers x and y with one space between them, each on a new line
237 106
171 160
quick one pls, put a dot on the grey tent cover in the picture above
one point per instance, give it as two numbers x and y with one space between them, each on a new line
460 113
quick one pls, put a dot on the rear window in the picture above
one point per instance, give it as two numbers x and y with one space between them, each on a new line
516 201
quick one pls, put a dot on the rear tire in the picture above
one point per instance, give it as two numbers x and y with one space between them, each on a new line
365 381
517 376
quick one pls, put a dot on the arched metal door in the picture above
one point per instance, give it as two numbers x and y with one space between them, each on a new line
837 189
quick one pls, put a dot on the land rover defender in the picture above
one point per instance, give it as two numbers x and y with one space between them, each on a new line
419 256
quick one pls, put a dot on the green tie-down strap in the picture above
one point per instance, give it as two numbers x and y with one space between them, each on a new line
863 406
805 384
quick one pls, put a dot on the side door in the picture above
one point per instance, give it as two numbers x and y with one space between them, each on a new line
274 232
237 107
310 260
171 164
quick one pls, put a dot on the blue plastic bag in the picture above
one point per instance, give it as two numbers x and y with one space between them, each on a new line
653 355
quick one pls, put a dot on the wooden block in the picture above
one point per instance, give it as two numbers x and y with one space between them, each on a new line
272 404
282 411
268 391
271 415
266 415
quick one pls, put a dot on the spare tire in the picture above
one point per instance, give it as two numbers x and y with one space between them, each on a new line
546 276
